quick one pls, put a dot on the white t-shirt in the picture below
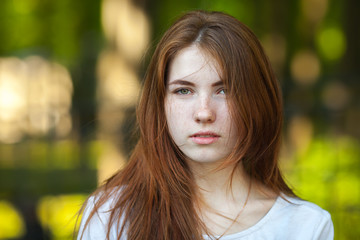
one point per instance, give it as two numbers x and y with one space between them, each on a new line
293 219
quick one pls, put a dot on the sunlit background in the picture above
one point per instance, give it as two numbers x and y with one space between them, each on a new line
70 75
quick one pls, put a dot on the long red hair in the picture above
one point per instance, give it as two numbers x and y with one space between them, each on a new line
158 195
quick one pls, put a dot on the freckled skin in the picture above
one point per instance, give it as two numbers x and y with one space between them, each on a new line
196 102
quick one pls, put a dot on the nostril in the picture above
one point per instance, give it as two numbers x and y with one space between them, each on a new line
205 115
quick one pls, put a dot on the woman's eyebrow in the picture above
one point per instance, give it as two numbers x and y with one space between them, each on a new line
187 83
218 83
182 82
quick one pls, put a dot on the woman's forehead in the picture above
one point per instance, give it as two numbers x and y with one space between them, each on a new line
192 62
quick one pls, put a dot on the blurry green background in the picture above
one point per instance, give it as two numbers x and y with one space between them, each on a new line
70 74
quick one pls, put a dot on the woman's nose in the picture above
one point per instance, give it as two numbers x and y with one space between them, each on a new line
204 112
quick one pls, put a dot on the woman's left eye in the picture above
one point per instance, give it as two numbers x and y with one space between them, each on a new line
222 91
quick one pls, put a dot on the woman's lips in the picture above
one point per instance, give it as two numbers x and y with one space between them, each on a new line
204 138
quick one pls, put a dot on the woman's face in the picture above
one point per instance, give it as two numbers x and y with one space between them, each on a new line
196 109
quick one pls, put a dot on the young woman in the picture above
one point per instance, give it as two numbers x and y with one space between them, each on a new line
206 163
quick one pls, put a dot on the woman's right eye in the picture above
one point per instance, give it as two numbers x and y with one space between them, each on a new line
183 91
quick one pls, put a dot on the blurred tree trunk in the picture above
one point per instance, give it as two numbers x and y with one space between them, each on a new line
352 32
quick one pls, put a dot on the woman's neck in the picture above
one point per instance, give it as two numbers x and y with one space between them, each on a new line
228 196
230 183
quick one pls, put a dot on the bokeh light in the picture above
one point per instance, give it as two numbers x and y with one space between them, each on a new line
331 43
127 27
275 48
35 98
60 213
11 224
335 95
305 67
127 31
119 84
314 10
300 133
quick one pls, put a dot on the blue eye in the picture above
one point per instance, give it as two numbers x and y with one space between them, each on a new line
183 91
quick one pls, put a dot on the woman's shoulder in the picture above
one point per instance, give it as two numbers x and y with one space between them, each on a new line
299 208
289 218
94 224
304 218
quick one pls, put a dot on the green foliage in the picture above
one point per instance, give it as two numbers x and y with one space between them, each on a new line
59 214
331 43
12 225
55 29
69 32
39 167
328 175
